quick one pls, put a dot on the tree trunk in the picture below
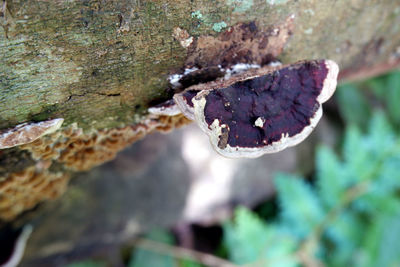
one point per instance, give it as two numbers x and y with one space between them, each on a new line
101 64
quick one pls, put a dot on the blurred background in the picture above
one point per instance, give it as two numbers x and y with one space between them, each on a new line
170 200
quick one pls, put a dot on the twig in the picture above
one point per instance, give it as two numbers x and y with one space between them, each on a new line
183 253
271 262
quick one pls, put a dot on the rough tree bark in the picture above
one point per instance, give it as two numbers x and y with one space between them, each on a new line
101 64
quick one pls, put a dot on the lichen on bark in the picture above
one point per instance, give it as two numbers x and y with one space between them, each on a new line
100 63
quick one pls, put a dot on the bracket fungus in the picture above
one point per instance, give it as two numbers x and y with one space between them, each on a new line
184 102
28 132
167 108
262 111
23 190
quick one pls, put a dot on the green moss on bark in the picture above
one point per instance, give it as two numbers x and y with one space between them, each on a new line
101 63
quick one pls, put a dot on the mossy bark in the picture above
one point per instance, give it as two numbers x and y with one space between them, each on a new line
101 63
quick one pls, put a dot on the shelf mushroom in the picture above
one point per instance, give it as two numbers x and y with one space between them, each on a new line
264 111
28 132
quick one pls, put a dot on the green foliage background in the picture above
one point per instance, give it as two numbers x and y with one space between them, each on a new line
347 215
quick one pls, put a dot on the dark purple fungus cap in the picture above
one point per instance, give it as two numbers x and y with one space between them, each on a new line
266 113
184 99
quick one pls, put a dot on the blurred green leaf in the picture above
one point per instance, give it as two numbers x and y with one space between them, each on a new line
352 105
249 240
382 246
301 209
392 93
331 177
144 258
355 155
246 237
386 89
187 263
380 134
346 232
377 86
87 263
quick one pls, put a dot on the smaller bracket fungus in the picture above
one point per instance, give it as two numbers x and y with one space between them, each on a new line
166 116
28 132
167 108
263 113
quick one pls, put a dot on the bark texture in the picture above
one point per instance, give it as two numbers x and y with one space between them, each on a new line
101 64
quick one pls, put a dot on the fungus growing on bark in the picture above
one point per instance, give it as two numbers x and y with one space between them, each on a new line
241 72
262 112
184 102
167 108
92 150
167 116
71 149
80 151
28 132
74 150
25 189
166 124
